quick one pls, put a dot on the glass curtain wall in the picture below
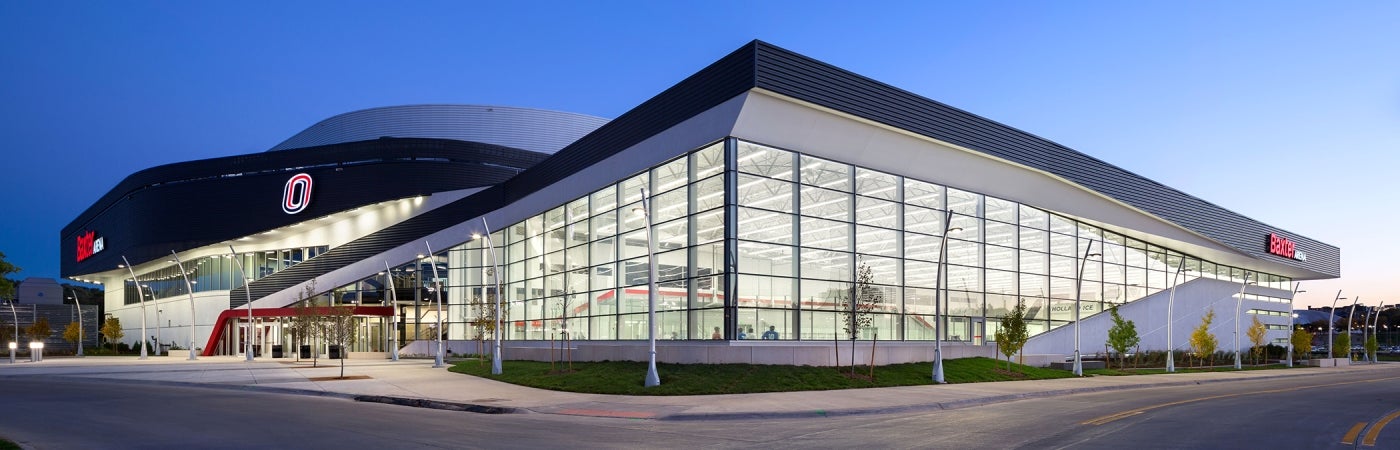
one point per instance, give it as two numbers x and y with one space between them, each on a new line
801 230
219 272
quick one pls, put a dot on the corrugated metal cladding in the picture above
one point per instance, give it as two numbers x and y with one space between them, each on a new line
765 66
192 204
527 129
787 73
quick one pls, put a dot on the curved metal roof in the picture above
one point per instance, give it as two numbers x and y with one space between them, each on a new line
535 130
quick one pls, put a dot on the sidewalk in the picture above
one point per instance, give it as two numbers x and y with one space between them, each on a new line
415 381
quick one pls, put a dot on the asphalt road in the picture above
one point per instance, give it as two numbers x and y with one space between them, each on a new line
1300 412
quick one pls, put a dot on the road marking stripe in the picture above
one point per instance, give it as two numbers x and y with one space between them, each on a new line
1350 437
1132 412
1375 432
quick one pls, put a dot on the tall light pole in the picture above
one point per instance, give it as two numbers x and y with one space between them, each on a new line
248 294
1331 320
496 275
437 286
158 337
1350 317
1297 289
1171 303
1239 302
941 269
1078 294
189 289
142 298
393 318
79 306
653 379
1375 325
14 342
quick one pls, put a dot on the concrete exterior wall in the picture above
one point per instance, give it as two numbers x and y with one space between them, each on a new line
791 353
1149 314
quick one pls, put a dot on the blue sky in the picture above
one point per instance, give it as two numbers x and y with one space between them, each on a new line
1287 112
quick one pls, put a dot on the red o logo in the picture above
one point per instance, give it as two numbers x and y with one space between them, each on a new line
297 195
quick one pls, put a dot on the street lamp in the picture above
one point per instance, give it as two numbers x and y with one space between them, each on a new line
158 311
189 289
1297 289
14 340
1366 332
653 379
1351 316
1079 293
1239 302
142 299
393 318
496 275
941 269
248 294
1332 319
1171 303
437 285
79 306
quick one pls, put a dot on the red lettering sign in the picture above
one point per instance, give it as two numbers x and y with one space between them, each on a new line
1281 246
85 245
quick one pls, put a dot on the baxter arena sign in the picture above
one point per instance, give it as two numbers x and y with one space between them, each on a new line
1281 246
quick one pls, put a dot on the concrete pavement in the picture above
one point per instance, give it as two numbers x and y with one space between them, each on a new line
416 383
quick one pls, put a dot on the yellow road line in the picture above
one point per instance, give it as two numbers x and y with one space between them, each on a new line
1370 439
1350 437
1132 412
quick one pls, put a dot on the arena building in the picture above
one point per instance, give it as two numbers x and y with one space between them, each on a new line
782 191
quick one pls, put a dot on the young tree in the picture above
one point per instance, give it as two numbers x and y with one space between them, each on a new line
862 299
1202 340
1302 342
112 329
1256 333
7 331
301 322
1012 334
1341 345
339 329
7 286
1371 346
72 333
1122 336
40 330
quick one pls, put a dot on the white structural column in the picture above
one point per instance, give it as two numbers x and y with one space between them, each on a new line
437 287
248 294
394 317
142 299
1171 303
1239 302
653 379
189 289
938 324
496 267
1078 295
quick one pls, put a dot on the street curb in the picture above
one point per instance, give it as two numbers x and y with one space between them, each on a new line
955 404
434 404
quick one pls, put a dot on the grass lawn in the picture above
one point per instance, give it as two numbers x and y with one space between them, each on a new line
625 377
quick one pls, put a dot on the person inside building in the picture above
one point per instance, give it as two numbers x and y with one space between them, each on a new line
716 335
770 335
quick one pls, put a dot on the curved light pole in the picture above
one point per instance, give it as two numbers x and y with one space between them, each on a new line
14 343
1351 316
941 270
1079 293
393 318
496 264
247 293
158 311
653 379
79 306
1332 319
189 289
1239 302
1297 289
437 285
1375 325
1171 303
140 297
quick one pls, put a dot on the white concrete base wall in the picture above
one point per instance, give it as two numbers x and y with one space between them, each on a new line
1149 315
722 352
174 317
